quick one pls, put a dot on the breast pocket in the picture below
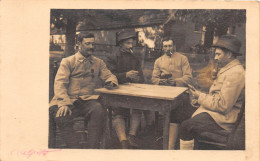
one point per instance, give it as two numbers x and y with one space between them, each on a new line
217 84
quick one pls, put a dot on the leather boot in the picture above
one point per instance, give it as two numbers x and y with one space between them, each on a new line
124 144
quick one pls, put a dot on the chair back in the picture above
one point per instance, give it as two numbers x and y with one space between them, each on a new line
240 116
236 140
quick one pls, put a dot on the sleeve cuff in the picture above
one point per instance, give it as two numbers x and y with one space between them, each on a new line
180 82
64 103
114 81
156 81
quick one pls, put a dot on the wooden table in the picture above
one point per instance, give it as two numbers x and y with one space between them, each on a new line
145 97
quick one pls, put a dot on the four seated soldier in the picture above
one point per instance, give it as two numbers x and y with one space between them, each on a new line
79 75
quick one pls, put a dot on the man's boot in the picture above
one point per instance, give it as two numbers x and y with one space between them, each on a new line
133 141
124 144
135 121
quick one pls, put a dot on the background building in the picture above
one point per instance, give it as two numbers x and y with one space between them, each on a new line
194 31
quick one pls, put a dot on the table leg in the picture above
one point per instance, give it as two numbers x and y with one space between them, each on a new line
156 120
166 129
110 120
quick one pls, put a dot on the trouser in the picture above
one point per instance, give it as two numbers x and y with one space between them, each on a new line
94 115
183 111
192 128
119 115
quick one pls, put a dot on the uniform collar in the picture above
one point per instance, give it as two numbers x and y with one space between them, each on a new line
81 58
231 64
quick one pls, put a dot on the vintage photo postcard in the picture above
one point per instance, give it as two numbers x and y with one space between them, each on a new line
129 80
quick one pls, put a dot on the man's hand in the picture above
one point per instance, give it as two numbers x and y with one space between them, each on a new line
63 110
194 102
133 75
110 85
166 76
171 82
136 79
163 82
194 92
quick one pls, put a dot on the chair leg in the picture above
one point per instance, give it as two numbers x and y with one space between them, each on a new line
52 135
110 119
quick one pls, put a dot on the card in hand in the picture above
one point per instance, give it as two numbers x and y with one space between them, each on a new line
191 87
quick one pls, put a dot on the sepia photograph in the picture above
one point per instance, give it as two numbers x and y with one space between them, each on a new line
147 79
128 80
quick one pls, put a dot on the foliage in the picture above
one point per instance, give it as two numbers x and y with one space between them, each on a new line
67 20
220 18
230 17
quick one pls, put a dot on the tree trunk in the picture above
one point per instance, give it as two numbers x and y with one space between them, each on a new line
209 35
221 29
70 35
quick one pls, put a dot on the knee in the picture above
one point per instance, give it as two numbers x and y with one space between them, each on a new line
177 116
59 121
118 117
97 109
184 126
118 120
53 110
64 121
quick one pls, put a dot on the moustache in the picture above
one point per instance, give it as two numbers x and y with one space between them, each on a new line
91 49
168 52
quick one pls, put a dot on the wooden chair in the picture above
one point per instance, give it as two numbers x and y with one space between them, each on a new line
224 140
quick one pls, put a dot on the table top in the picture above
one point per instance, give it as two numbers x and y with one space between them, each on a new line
146 91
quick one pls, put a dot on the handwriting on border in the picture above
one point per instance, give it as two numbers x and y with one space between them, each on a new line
31 152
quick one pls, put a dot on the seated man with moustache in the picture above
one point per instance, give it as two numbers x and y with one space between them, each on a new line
75 81
220 107
173 69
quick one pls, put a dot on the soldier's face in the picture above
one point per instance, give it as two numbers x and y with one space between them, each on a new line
87 46
127 44
168 47
221 57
